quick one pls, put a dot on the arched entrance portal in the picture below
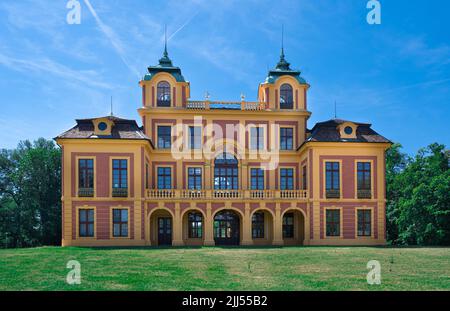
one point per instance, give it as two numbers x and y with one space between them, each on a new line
193 227
293 227
161 226
227 228
262 227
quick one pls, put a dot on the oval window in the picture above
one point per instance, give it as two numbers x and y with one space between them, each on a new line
102 126
348 130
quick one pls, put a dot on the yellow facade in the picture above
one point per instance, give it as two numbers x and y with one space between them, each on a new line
161 188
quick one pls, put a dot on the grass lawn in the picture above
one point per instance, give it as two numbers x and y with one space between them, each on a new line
214 268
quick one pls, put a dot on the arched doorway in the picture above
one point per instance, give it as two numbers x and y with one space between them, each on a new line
227 228
161 228
226 172
262 227
293 226
193 227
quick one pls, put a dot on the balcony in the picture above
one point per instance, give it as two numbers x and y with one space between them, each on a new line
364 194
120 192
85 192
333 194
208 105
176 194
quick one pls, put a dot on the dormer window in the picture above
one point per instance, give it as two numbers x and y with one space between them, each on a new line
163 94
102 126
286 97
348 130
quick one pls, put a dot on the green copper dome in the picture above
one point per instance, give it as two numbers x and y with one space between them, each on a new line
283 68
165 65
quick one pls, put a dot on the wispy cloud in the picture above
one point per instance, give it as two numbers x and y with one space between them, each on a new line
423 53
182 26
113 38
46 65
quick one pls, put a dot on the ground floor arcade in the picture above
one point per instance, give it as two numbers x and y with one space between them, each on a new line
226 224
223 222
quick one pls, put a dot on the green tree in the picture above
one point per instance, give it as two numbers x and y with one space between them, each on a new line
418 196
396 161
30 194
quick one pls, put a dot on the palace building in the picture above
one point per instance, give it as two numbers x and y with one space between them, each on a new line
202 172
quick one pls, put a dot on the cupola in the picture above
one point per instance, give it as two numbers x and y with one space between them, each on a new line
283 88
164 86
165 65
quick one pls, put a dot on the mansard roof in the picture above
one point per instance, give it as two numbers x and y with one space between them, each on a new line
122 129
327 132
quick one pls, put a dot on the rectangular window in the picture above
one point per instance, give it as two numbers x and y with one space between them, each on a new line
258 225
333 222
286 138
164 137
86 177
120 178
256 179
257 138
164 178
286 179
364 222
288 225
120 222
195 137
226 178
332 180
86 222
364 180
304 178
194 178
195 220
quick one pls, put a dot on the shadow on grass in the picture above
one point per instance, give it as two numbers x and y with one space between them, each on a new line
237 247
234 247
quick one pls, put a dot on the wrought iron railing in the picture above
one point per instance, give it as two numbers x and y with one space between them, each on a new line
120 192
364 194
333 194
85 192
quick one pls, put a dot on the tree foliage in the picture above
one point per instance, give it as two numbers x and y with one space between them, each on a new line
418 196
30 195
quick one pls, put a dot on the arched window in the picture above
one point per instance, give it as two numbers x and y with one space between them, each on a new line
286 97
226 172
195 220
226 228
163 94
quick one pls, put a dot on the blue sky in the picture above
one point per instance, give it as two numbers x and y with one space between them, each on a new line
395 75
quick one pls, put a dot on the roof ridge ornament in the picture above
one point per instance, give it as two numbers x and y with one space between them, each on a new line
283 67
165 61
282 64
165 41
165 64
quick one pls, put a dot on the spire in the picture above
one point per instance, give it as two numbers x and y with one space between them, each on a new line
335 109
282 64
165 61
165 41
283 67
282 41
111 114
